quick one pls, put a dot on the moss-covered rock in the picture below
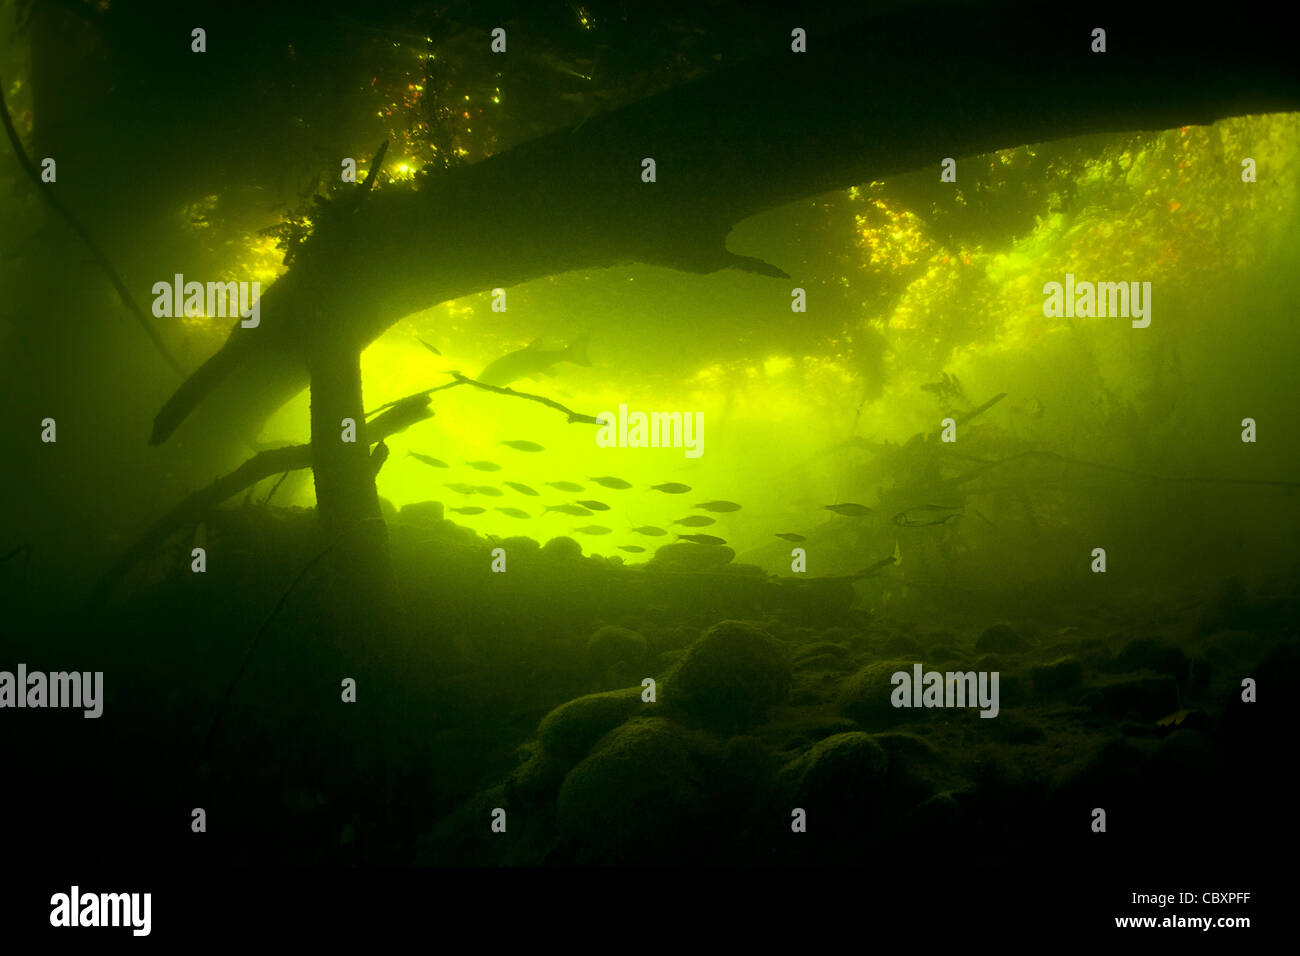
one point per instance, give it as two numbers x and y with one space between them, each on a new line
570 730
1154 654
865 696
633 799
562 547
937 819
1061 674
731 677
819 649
519 544
536 779
1001 638
916 768
901 645
1150 696
421 513
689 556
612 644
839 778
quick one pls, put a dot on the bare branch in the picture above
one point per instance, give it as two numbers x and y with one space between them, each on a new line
577 417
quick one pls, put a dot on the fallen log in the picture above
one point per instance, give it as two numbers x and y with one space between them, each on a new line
871 98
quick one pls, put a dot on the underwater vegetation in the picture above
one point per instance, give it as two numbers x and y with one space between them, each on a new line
657 437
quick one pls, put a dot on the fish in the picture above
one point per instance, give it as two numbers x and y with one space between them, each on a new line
849 509
489 491
717 507
564 486
515 512
608 481
592 529
532 361
790 536
671 488
631 548
484 465
570 510
427 345
460 486
695 521
595 505
428 460
702 538
523 445
924 515
649 530
468 511
521 488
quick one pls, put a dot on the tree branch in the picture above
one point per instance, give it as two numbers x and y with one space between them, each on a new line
401 416
574 417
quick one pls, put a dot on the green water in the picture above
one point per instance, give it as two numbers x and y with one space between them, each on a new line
1102 509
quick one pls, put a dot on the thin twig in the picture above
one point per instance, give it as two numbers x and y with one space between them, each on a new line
248 657
1149 476
982 409
267 499
466 380
100 259
260 466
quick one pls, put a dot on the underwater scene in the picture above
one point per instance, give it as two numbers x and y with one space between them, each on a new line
565 435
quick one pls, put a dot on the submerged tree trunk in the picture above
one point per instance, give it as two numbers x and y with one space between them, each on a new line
358 616
870 99
362 582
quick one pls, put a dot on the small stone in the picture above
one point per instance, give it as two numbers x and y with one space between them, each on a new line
1001 638
421 513
1149 696
562 547
1061 674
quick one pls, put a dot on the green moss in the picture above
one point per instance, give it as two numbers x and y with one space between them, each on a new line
632 800
570 730
731 677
